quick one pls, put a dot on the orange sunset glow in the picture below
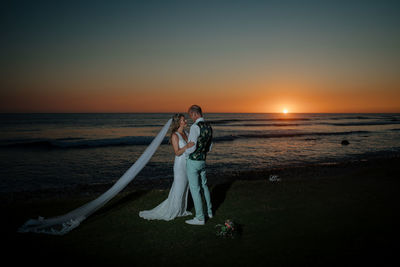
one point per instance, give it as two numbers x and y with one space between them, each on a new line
215 98
228 60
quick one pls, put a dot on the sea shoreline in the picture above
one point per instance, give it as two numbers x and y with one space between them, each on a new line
296 172
61 156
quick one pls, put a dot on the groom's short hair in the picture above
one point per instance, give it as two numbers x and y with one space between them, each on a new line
196 109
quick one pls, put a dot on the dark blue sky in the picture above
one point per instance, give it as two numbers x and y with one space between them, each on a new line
130 45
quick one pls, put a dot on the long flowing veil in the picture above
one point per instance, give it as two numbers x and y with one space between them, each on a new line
61 225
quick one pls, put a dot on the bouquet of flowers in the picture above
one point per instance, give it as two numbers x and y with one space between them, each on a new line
228 229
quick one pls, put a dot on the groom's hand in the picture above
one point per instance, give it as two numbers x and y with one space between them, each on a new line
190 144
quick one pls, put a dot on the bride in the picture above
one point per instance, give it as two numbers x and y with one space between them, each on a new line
176 203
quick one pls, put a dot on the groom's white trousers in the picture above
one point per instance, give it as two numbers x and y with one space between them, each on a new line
196 171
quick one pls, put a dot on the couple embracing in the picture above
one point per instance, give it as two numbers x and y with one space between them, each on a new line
189 170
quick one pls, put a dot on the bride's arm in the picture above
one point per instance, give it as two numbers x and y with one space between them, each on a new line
175 144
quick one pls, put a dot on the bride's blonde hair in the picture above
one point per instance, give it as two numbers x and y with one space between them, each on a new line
175 124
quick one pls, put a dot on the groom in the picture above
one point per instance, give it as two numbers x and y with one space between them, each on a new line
201 135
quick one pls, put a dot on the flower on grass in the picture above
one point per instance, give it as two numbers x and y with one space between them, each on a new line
274 178
228 229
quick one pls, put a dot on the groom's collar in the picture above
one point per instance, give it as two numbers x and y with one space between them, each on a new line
199 119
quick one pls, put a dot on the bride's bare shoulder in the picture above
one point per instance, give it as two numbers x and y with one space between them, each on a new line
174 136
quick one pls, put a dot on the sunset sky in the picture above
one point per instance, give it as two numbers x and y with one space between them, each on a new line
227 56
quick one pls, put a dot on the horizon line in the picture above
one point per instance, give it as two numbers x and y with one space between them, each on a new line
203 113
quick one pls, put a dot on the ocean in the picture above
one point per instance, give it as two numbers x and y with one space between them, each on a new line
47 151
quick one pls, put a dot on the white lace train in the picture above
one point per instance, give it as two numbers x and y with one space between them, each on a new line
61 225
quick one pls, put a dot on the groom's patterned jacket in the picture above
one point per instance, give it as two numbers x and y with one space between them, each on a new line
203 141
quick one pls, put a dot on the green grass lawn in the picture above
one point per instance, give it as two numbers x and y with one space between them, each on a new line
345 220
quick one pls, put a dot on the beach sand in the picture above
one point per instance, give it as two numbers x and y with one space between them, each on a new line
321 215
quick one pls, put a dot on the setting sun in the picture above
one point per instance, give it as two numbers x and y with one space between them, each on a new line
285 111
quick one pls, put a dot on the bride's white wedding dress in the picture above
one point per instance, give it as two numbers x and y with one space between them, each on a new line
176 203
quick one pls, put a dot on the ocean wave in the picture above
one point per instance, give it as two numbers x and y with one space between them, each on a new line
350 118
140 125
283 135
265 124
364 123
374 123
69 138
378 121
66 143
63 143
225 121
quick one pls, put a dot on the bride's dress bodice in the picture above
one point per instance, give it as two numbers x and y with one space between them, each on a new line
181 144
180 161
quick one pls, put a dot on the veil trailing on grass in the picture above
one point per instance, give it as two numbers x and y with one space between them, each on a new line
61 225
